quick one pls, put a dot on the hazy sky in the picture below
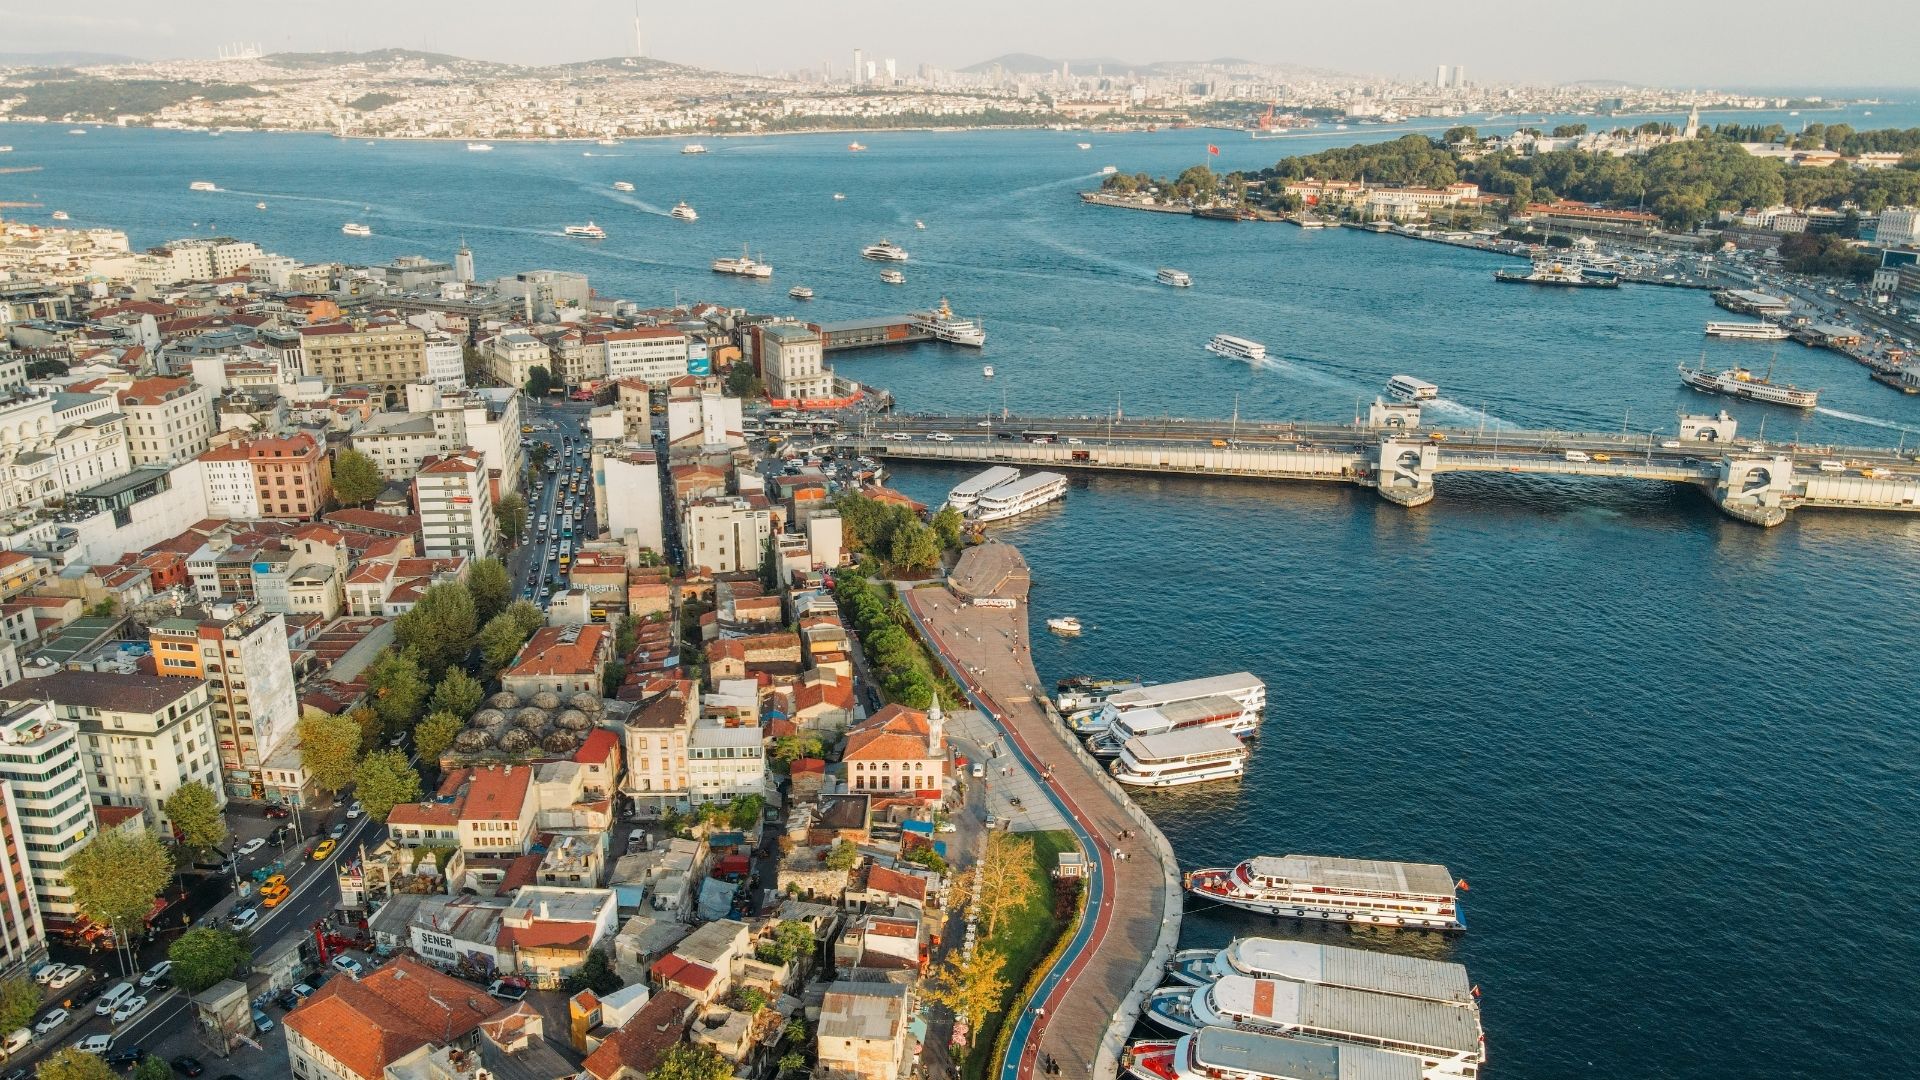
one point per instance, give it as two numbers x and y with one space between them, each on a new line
1680 43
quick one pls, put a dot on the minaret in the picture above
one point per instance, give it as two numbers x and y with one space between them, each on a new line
936 741
639 41
1693 123
463 263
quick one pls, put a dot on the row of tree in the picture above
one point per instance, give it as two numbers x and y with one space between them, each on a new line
887 637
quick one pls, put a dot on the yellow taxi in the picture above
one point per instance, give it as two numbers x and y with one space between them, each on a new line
272 897
277 881
324 849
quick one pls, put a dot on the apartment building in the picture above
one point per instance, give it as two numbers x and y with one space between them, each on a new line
627 496
725 533
205 258
446 361
511 357
227 481
435 423
792 362
23 937
456 506
486 810
383 352
40 762
359 1029
724 761
657 736
169 420
290 478
241 651
652 354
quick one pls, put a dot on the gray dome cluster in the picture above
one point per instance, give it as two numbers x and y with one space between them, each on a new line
548 721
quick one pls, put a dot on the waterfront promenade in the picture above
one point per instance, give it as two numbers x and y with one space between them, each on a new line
1086 1004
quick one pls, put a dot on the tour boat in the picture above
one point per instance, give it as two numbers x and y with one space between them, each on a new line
589 231
1238 348
1243 687
893 277
354 228
945 326
1223 711
744 266
1331 965
966 493
837 197
1108 170
1179 758
1741 383
1408 388
59 215
693 148
1361 892
6 149
1176 278
683 212
622 185
800 292
884 251
479 147
202 185
1759 331
1087 691
1238 1053
855 147
1027 493
1084 145
1428 1032
76 131
1065 625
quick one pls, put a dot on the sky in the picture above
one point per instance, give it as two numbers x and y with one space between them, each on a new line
1684 44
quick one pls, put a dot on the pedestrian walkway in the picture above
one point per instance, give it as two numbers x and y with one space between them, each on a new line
1087 1002
1013 794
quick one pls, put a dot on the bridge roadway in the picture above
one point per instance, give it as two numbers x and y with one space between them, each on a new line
1751 481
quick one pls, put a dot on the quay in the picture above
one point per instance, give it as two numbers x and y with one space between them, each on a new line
871 333
1101 199
1086 1004
1392 452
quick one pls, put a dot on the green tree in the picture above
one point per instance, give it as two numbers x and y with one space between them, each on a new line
791 1062
329 749
202 957
687 1061
914 547
195 813
511 511
1454 136
458 693
596 974
19 1001
612 677
152 1067
503 635
788 749
398 688
356 479
842 856
490 589
539 381
116 877
947 527
73 1064
385 780
438 630
435 734
742 382
790 940
927 857
971 986
751 1000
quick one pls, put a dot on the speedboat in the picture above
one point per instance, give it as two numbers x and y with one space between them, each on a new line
1064 625
693 148
202 185
606 142
6 149
1085 145
893 277
259 206
1109 170
354 228
800 292
589 231
837 196
479 147
918 224
684 212
856 147
59 215
622 185
884 251
987 372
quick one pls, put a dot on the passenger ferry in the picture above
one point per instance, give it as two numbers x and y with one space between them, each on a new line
683 212
1086 691
1176 278
1362 892
1084 145
945 326
1238 348
1408 388
1027 493
354 228
693 148
1427 1031
838 197
1741 383
589 231
1213 711
966 493
479 147
744 266
1329 965
1565 275
893 277
1242 687
1758 331
202 185
1235 1054
884 251
800 292
606 142
622 185
1179 758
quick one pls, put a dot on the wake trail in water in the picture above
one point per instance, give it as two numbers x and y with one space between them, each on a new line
1450 407
628 200
1078 252
297 198
1304 372
1856 418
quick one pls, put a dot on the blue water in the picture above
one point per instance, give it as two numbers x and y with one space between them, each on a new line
1673 755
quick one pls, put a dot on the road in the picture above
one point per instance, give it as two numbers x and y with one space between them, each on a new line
534 566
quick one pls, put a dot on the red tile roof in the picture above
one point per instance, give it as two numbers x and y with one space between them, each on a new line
369 1023
636 1049
562 650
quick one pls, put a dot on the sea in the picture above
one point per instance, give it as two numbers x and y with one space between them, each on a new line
1673 756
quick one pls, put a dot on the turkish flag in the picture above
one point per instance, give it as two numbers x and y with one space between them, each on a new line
1212 149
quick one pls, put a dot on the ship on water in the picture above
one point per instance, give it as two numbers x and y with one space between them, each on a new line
1012 499
1757 331
884 251
1220 1053
589 231
1238 348
1741 383
1360 892
683 212
1331 965
622 185
1562 275
354 228
1179 279
744 266
945 326
1180 758
693 148
202 185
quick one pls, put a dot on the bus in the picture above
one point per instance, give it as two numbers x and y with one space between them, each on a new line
566 527
1040 436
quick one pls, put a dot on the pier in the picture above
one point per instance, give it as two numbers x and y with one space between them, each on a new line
1086 1003
1394 453
872 333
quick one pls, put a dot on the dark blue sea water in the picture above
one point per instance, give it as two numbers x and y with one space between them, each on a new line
1674 756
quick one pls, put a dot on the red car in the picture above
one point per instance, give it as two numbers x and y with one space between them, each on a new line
278 812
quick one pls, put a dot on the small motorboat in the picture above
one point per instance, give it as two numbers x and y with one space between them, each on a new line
918 224
893 277
259 206
838 197
622 185
1064 625
987 372
681 211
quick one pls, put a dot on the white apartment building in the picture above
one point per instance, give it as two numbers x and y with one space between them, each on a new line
141 735
228 481
708 418
206 258
724 761
168 420
654 354
792 363
512 356
657 738
725 533
40 762
53 444
456 506
241 652
1899 225
627 498
436 423
446 362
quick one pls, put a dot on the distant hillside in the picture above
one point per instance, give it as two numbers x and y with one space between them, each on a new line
377 59
1029 64
62 59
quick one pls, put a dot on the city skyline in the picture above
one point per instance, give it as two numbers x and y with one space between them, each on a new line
786 38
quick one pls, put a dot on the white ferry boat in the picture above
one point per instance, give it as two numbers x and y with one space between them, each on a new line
479 147
1757 331
60 215
893 277
1086 691
202 185
1235 1054
622 185
354 228
1213 711
1179 758
1242 686
1362 892
945 326
606 142
967 492
918 224
260 206
1065 625
800 292
1741 383
1027 493
1238 348
884 251
1408 388
693 148
1176 278
589 231
683 212
1426 1031
744 266
1330 965
1084 145
6 149
837 197
1109 170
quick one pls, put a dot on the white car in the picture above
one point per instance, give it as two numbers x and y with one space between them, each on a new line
1670 444
155 973
947 827
940 436
349 965
354 810
900 435
1075 442
984 423
129 1008
66 976
50 1021
251 846
94 1044
244 918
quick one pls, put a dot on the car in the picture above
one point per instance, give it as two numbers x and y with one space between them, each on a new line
251 846
50 1022
159 971
85 994
1603 457
287 1000
67 976
947 827
18 1074
16 1039
162 984
273 897
94 1044
125 1058
187 1066
1075 442
278 811
940 436
323 849
302 990
507 989
339 830
44 973
1670 444
243 918
1577 455
111 999
898 435
992 822
277 881
129 1009
354 811
262 1023
349 965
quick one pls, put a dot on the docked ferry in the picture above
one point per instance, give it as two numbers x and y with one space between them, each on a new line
945 326
1088 691
1218 711
1179 758
1027 493
589 231
1330 965
1242 687
1362 892
966 493
1408 388
1741 383
1751 331
1425 1031
1179 279
744 266
1238 348
884 251
1236 1054
1565 275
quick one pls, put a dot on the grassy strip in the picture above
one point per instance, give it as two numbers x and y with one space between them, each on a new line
1030 939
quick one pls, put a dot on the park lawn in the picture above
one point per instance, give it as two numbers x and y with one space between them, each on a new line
1025 937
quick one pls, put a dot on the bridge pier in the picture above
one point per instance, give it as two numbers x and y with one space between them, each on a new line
1403 472
1755 489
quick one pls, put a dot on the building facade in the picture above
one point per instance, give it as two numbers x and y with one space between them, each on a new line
456 506
40 763
169 421
384 353
793 362
241 651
